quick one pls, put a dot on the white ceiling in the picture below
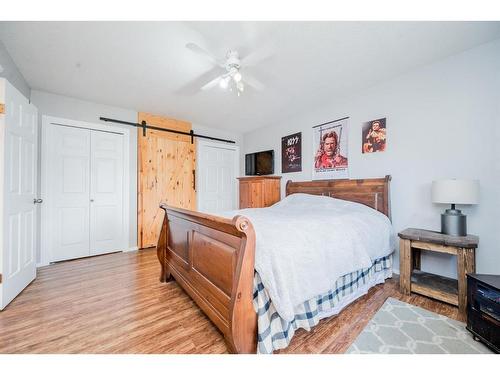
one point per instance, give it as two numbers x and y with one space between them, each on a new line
145 66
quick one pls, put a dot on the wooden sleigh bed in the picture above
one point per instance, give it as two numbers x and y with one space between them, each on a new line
212 258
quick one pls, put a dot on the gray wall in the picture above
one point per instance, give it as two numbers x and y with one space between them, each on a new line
11 73
443 121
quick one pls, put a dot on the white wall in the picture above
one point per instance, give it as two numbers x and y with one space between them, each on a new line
76 109
443 121
11 73
218 133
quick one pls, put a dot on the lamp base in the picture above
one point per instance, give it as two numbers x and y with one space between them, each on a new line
454 223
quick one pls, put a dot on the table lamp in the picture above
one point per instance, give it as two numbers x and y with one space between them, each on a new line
453 221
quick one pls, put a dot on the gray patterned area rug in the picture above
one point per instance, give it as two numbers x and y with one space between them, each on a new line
401 328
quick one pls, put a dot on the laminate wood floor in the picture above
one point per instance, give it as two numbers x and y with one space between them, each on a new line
115 304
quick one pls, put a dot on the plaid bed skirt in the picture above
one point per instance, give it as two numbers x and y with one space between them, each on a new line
275 333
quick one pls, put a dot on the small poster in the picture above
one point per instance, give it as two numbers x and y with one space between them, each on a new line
330 150
374 136
291 153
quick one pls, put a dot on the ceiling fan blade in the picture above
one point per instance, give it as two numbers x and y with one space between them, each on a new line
193 86
200 51
211 84
258 56
253 82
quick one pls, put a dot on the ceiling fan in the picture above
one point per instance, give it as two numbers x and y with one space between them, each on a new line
232 79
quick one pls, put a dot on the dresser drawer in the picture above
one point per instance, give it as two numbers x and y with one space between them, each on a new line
487 306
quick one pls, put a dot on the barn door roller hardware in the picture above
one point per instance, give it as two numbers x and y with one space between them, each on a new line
145 126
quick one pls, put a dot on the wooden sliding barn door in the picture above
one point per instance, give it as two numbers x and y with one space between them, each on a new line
166 165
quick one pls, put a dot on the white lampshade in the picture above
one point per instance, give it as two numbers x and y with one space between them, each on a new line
455 191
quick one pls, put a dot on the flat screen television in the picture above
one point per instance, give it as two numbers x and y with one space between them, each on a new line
259 163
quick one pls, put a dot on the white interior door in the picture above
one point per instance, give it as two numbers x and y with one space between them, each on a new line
18 263
68 195
217 172
106 193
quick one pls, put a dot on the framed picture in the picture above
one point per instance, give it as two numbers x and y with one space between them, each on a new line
291 153
330 150
374 136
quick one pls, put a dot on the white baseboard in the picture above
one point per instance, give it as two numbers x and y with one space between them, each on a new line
133 248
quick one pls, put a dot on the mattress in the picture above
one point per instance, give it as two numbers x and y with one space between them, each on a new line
304 243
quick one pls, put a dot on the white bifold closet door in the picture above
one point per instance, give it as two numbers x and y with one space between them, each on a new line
217 171
86 192
69 192
106 192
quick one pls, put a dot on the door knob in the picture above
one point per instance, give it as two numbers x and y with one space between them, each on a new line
91 200
37 200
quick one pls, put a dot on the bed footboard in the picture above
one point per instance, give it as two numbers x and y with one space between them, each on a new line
212 259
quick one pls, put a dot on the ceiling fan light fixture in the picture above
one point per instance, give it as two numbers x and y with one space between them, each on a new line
224 83
231 80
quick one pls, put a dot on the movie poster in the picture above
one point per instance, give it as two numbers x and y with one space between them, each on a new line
291 153
330 150
374 137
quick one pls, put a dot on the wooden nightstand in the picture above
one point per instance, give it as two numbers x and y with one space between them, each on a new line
412 279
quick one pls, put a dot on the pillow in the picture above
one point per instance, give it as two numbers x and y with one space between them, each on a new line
302 199
311 201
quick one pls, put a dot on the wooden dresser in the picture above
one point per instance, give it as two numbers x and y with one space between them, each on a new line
259 191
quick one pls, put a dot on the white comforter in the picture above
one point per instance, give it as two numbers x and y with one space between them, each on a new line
304 243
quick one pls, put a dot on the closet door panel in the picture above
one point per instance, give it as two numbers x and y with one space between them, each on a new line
69 192
106 193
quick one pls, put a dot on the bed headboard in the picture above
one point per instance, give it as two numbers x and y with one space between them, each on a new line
373 192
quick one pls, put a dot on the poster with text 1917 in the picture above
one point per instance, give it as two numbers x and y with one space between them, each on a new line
330 159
